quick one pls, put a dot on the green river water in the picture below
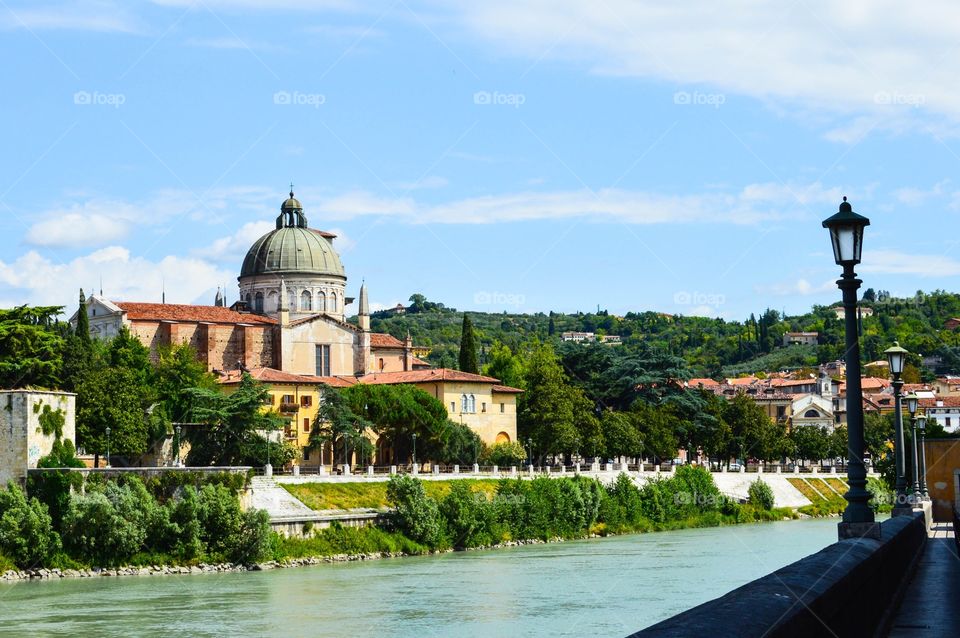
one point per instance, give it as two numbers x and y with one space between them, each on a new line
599 587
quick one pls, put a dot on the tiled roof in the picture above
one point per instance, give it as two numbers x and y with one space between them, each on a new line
946 402
271 375
383 340
785 383
425 376
742 381
181 312
506 389
693 383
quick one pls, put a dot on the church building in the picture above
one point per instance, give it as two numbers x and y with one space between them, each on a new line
291 319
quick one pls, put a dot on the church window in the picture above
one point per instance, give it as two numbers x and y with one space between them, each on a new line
292 299
306 302
811 414
321 302
323 360
258 302
464 407
333 302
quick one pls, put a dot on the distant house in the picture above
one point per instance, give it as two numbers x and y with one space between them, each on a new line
801 338
946 411
611 339
947 386
863 310
701 383
951 324
578 337
812 410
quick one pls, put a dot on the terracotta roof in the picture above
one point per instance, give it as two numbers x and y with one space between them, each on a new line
383 340
950 380
180 312
271 375
692 383
506 389
780 383
947 402
425 376
742 381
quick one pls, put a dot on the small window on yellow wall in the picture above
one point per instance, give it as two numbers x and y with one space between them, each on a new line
503 408
453 406
483 406
306 425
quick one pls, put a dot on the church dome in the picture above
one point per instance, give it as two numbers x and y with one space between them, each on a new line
293 248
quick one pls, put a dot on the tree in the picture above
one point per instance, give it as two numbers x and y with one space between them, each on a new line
339 426
468 347
112 397
620 437
176 371
753 433
656 426
30 347
810 442
83 321
233 423
26 530
504 365
546 411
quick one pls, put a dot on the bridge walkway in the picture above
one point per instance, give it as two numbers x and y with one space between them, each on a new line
930 604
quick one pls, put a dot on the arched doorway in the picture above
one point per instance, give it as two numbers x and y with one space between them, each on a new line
384 451
503 437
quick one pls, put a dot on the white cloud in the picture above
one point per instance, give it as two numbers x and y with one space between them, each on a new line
916 196
892 262
433 181
883 63
77 229
35 279
86 15
235 246
234 42
795 287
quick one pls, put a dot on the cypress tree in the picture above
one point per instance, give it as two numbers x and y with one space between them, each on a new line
83 322
468 347
551 328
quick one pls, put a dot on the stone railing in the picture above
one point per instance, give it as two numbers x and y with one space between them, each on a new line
847 589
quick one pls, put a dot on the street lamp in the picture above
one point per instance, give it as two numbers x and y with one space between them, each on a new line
846 237
896 356
108 446
414 449
923 459
912 401
177 431
530 451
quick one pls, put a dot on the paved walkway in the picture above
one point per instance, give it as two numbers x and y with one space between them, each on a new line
930 605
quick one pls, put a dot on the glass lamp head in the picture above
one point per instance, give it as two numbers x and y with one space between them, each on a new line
846 234
896 357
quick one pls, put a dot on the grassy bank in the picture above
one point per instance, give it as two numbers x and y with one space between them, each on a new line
437 516
373 495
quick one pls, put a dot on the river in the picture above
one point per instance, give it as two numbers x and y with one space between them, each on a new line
600 587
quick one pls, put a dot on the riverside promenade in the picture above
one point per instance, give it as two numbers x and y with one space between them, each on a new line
929 606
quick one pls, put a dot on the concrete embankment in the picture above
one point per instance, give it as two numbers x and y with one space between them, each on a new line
846 589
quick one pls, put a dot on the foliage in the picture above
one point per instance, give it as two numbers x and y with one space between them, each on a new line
507 454
338 426
415 515
30 347
53 487
177 370
27 536
505 365
810 442
760 494
459 444
468 347
233 424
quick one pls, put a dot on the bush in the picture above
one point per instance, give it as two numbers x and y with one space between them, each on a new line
416 514
694 486
626 495
467 515
760 495
53 488
27 536
220 519
96 530
504 454
251 542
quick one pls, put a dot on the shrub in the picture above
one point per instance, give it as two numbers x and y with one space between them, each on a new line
27 536
97 531
252 540
53 488
504 454
416 514
626 495
694 486
220 518
467 516
760 495
184 520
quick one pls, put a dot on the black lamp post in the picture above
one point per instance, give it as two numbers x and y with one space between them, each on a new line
896 357
530 451
414 449
846 236
108 446
922 427
912 401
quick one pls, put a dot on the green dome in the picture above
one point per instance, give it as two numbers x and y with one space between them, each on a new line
292 249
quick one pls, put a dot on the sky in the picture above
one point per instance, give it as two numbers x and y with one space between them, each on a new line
494 156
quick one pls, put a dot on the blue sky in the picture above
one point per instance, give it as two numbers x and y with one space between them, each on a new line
492 155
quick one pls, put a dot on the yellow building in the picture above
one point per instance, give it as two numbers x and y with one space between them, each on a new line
481 403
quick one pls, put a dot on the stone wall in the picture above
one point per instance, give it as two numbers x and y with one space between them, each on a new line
847 589
22 442
220 346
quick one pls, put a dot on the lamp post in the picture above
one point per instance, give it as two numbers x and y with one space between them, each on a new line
846 236
912 401
896 357
414 449
108 446
923 459
177 431
530 451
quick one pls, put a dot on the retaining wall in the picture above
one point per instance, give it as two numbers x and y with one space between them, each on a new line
846 589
